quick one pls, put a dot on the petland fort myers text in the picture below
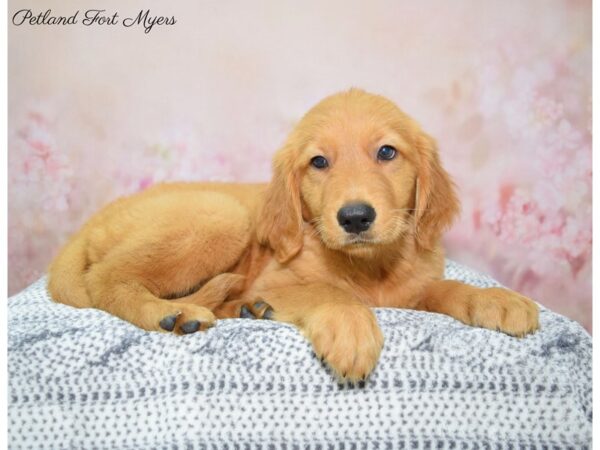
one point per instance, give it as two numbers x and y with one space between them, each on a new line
92 17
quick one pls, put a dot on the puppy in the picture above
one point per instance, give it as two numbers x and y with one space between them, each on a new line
352 219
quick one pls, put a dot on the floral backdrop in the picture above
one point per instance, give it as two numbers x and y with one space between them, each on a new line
97 112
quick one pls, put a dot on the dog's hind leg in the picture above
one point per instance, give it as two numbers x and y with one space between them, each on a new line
130 299
171 252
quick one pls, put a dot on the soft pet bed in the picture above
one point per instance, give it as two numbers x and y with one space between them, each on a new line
83 379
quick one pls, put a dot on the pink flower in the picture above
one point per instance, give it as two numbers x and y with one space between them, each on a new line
548 111
565 136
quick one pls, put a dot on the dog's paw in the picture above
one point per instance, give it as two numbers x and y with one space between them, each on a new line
346 337
182 318
257 310
503 310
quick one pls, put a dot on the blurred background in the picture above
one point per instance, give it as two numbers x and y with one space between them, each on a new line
505 86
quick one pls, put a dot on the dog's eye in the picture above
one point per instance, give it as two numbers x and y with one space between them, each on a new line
319 162
386 152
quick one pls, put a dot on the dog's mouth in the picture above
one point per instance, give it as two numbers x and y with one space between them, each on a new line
370 240
335 238
358 240
348 242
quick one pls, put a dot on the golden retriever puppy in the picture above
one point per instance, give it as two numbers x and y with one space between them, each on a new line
352 219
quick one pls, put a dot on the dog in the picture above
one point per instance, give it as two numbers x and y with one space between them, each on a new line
352 219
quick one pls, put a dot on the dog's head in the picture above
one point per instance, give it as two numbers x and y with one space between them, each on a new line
363 174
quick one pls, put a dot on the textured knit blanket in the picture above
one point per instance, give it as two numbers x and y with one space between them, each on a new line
82 379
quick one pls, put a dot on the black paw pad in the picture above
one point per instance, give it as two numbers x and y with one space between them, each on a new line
168 323
245 313
268 314
190 327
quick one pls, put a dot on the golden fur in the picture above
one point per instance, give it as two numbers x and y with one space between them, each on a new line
177 256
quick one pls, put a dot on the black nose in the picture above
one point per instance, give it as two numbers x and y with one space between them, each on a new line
356 217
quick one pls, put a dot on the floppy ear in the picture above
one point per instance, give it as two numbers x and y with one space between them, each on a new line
436 202
280 217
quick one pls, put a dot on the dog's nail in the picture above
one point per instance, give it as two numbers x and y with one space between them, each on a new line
361 384
340 385
190 327
168 323
259 304
245 313
268 314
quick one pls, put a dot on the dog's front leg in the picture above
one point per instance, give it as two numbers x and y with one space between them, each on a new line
494 308
343 331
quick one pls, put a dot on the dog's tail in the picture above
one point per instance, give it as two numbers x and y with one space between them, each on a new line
65 275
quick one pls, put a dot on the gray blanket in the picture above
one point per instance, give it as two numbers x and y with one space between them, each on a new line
83 379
